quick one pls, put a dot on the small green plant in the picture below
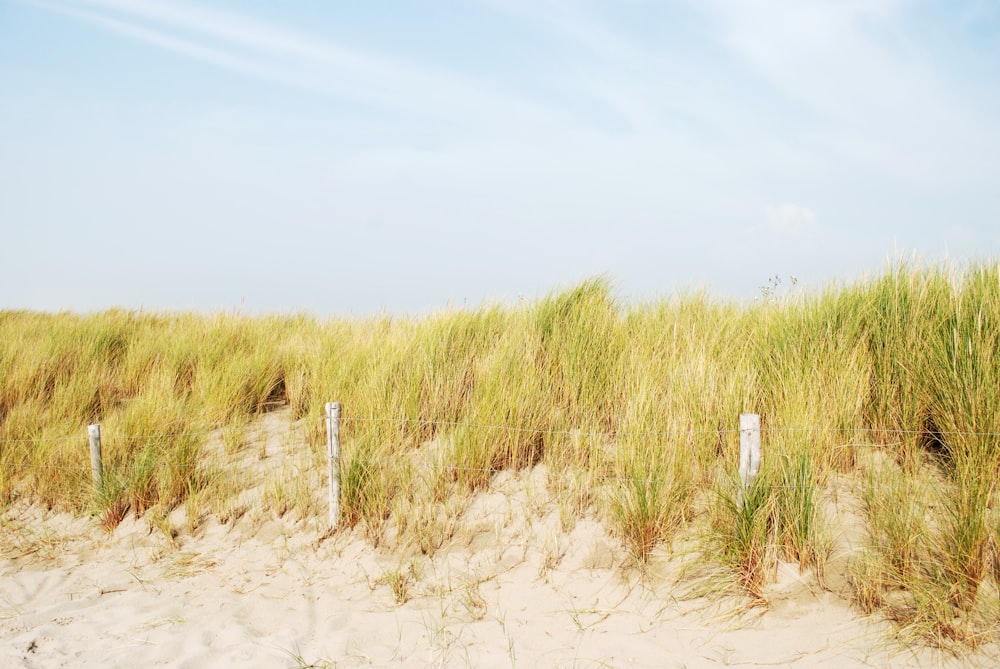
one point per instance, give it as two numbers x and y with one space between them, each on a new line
645 511
300 662
234 439
400 582
895 509
367 490
965 538
746 534
799 530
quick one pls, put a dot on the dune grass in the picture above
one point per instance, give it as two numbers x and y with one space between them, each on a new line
892 382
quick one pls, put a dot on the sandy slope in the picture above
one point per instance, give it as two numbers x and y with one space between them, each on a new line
282 599
511 590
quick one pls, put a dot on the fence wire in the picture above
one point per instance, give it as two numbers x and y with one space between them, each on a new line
611 436
84 474
607 434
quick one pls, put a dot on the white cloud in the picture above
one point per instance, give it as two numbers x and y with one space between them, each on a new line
235 41
791 220
876 93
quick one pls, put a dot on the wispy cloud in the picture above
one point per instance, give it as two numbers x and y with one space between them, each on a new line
636 82
842 81
818 54
267 51
873 92
181 46
656 86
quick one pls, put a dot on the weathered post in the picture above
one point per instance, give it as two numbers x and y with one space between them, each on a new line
333 459
96 467
749 452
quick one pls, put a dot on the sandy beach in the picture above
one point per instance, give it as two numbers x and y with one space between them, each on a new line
518 584
511 590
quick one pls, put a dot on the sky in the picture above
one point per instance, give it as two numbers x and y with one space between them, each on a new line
350 158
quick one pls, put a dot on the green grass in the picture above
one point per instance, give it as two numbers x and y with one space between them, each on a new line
892 382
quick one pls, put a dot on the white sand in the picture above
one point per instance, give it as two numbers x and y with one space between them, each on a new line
511 590
282 599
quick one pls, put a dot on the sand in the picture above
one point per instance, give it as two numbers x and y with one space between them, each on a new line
513 588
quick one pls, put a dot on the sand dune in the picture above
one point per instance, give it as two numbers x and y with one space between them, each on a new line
513 588
281 598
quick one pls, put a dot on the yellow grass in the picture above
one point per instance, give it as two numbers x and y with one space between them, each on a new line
633 410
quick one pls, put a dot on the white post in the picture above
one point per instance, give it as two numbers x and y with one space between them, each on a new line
96 468
749 451
333 458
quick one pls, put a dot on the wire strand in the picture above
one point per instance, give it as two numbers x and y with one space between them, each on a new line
613 435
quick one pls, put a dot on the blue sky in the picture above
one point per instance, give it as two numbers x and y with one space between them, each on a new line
349 157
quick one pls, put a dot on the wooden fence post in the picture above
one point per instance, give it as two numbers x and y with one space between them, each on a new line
749 452
333 458
96 467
